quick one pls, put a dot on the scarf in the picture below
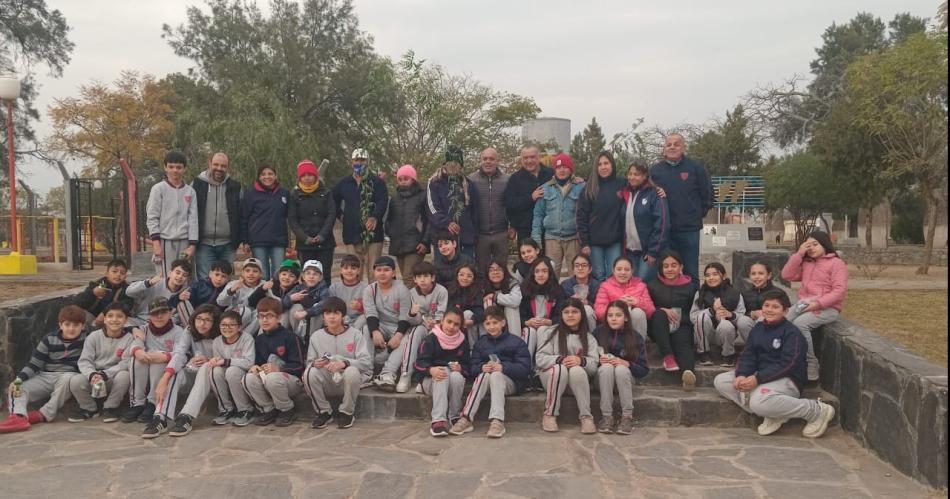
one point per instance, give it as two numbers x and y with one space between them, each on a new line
679 281
260 187
305 189
158 331
562 181
445 341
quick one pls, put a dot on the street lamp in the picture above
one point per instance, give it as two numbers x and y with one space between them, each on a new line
9 91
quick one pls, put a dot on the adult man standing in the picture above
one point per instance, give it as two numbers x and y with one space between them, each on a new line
361 202
453 202
689 194
219 211
524 189
490 182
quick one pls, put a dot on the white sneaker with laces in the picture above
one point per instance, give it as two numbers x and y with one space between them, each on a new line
817 427
770 426
385 380
405 381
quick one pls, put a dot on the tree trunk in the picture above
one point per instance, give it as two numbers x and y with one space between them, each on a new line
930 203
868 229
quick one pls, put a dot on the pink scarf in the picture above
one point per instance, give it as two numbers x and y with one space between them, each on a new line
679 281
445 341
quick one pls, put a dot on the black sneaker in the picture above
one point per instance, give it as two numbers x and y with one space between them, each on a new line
286 418
81 415
242 418
267 418
223 417
344 420
703 359
155 427
182 426
728 361
147 413
110 415
321 420
132 414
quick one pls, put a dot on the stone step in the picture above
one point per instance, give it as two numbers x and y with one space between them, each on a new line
659 377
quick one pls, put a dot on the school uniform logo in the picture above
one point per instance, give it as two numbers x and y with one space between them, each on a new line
237 352
433 307
777 343
396 306
283 199
684 176
119 352
644 202
350 347
188 198
281 350
169 344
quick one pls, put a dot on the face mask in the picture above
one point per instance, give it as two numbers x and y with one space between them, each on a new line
358 168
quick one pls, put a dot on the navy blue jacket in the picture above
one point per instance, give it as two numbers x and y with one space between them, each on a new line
201 292
613 343
512 353
313 302
774 351
752 296
689 192
600 222
275 290
592 286
471 298
432 354
518 202
264 216
346 193
282 343
95 306
651 216
440 209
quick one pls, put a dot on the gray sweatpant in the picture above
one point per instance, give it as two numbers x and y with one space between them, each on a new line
116 386
778 399
608 377
744 325
499 385
806 323
638 319
380 356
303 327
557 379
277 392
228 386
320 387
171 250
706 334
167 408
401 359
446 396
144 379
45 384
202 388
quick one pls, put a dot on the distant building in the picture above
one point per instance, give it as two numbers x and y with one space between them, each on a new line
546 130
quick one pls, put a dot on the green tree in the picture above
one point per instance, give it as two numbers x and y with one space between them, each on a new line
802 185
731 147
30 35
585 146
901 98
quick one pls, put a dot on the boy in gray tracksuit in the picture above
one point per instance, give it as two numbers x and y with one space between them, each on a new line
350 289
146 291
337 364
105 357
172 215
387 304
151 352
237 293
429 300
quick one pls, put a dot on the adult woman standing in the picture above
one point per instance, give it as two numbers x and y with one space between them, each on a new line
600 216
646 221
311 214
264 220
824 278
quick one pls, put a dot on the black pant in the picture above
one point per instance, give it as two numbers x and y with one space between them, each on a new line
324 256
679 342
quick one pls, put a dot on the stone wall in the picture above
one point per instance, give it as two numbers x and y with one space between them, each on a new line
891 400
908 254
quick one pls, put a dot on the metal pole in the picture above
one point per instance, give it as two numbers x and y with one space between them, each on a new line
132 215
12 179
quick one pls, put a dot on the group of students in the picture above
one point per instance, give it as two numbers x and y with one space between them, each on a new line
256 343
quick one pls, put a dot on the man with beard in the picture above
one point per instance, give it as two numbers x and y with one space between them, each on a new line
453 202
219 200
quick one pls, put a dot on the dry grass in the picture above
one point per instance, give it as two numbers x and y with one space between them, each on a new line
13 290
904 273
916 319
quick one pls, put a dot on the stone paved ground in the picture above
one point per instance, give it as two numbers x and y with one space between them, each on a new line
400 459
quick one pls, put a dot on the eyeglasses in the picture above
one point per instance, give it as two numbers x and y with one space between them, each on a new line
204 320
581 265
227 325
267 315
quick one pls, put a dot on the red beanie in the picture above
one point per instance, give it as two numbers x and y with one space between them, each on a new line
563 159
306 166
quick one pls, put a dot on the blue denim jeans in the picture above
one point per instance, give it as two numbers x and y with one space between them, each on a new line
686 243
270 257
602 259
208 254
642 269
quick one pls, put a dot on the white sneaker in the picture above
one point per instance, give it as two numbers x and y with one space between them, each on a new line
817 427
770 426
419 388
405 381
385 380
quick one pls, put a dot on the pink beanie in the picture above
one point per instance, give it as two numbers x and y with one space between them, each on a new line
407 171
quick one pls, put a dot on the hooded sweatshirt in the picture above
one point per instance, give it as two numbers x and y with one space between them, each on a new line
824 279
172 213
612 289
218 209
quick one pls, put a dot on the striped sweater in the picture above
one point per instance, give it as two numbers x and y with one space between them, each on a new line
54 354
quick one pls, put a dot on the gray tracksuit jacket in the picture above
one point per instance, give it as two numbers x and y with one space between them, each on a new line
549 354
390 308
239 298
348 294
172 212
101 353
348 346
143 293
156 343
237 354
187 347
431 306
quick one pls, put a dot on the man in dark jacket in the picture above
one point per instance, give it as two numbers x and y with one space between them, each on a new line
219 212
493 230
311 214
685 184
524 189
453 202
361 202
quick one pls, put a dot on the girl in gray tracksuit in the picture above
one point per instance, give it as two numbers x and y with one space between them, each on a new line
171 216
192 350
105 355
567 358
236 295
232 354
337 364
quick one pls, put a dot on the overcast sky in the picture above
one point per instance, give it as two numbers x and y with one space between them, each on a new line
669 62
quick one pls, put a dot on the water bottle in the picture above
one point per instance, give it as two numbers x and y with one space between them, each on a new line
337 377
99 389
17 387
801 306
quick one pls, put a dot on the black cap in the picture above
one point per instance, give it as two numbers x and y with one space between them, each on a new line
385 261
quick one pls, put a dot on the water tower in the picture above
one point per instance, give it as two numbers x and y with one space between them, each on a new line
545 130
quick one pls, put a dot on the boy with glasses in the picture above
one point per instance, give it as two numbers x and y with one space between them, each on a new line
274 379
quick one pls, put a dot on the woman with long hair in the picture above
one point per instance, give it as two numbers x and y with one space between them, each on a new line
646 221
541 301
600 215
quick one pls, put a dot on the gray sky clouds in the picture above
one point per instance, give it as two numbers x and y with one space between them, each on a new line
618 60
